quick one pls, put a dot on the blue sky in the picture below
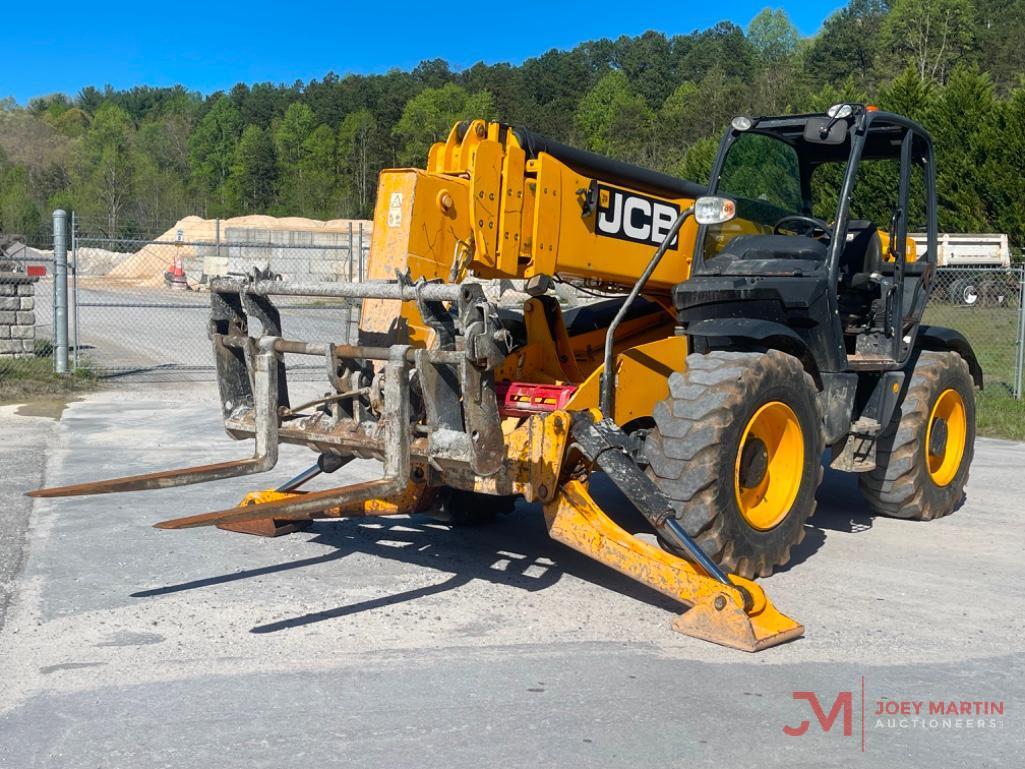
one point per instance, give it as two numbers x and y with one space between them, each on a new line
63 46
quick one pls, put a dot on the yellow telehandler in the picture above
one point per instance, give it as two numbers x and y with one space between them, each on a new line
739 331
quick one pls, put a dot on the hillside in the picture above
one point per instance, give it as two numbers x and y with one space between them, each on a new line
133 162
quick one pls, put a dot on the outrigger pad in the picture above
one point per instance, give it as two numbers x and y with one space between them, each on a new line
267 527
732 626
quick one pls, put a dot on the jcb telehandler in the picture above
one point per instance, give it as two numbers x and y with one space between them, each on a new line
747 328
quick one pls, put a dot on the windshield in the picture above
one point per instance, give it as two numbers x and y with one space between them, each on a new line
762 174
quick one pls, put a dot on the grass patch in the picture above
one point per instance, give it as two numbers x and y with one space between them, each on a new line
992 333
999 416
28 379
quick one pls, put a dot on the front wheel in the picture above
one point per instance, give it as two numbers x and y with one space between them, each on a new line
737 447
924 454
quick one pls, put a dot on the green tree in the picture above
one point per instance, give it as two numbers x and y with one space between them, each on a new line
19 213
613 120
724 46
847 44
429 116
290 136
212 150
679 123
908 94
964 122
1004 170
648 64
697 162
999 31
254 171
106 169
929 35
317 174
356 167
773 36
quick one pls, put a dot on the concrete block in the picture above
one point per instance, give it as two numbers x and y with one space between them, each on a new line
27 289
27 303
27 318
29 345
10 303
8 346
8 316
326 268
23 332
5 331
8 289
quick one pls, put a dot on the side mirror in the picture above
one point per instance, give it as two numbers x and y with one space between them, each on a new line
825 130
714 210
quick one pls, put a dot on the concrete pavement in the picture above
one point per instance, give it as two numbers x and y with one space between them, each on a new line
400 642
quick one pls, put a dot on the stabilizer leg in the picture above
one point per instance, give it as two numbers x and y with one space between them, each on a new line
717 612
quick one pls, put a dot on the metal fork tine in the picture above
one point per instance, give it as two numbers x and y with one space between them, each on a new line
300 506
161 480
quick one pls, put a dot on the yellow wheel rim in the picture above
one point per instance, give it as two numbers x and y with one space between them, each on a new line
945 437
769 465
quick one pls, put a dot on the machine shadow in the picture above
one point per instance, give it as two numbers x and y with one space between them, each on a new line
841 509
515 551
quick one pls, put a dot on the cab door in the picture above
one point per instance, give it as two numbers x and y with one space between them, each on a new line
913 267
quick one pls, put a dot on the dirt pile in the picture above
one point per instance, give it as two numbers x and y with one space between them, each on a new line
146 266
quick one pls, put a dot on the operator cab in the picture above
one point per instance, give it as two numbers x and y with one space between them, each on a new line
819 243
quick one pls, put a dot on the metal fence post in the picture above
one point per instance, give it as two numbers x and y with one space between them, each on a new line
60 280
1020 359
361 276
347 312
74 291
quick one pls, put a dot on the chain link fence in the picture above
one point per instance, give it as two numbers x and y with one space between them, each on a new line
984 304
139 308
26 311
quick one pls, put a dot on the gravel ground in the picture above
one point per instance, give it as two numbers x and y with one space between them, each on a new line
401 642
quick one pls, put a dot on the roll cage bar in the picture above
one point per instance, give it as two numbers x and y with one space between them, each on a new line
870 136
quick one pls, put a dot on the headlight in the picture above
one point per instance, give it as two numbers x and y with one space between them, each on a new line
714 210
742 123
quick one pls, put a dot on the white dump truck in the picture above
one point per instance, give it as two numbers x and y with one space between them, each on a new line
985 260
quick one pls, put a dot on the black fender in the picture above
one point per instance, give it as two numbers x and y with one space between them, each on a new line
768 333
943 339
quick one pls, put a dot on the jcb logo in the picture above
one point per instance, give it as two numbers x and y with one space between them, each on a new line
842 704
628 216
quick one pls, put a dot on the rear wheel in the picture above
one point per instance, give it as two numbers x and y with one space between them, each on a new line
737 447
964 291
924 455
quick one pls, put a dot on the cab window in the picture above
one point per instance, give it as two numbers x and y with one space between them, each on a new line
762 175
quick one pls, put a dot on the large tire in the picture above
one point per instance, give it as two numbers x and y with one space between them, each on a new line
696 457
914 479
